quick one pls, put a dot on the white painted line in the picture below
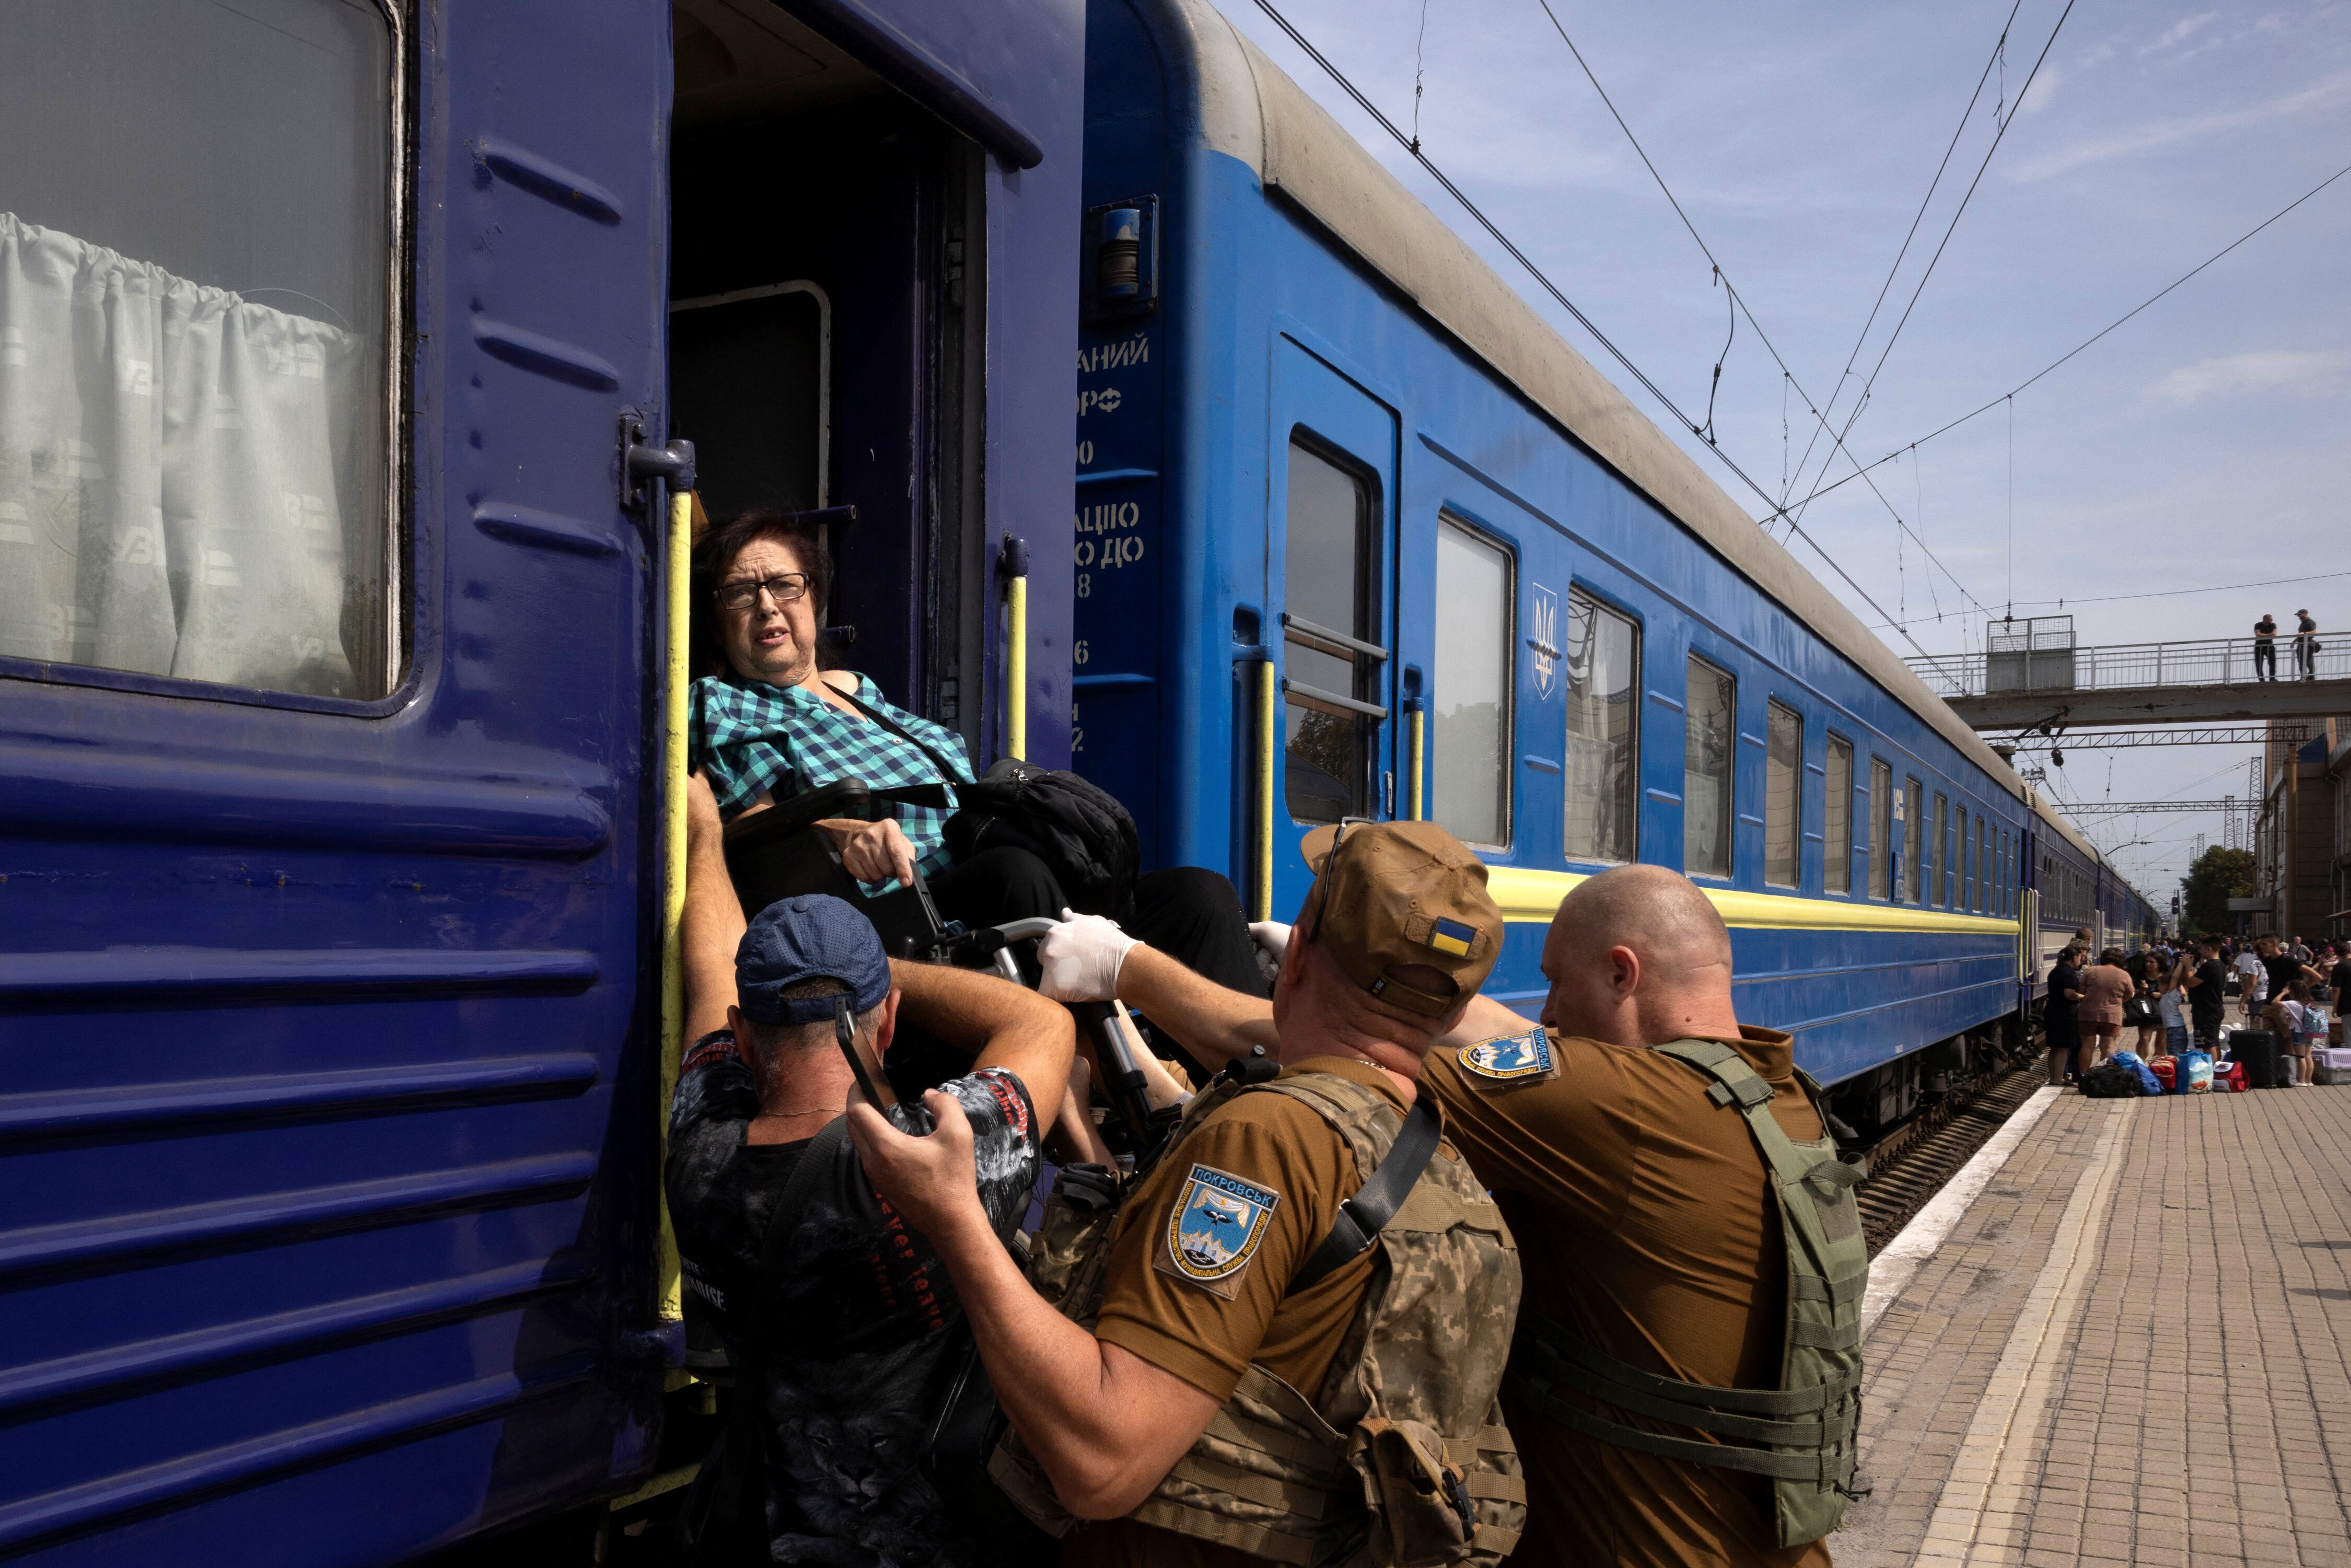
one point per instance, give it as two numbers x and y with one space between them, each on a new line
1890 1271
1986 1503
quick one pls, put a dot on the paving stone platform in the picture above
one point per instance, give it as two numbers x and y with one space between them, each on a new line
2135 1347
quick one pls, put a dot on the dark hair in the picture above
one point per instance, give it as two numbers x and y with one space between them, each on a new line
716 552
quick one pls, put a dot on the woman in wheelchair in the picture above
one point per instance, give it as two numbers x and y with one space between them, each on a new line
815 750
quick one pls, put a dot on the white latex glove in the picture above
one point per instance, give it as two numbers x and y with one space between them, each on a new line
1080 959
1274 935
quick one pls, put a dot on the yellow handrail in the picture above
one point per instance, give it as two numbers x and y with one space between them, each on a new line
677 567
1412 789
1015 668
1265 700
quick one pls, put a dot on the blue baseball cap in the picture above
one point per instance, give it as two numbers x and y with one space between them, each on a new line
814 936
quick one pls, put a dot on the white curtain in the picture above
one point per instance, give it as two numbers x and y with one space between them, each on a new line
176 492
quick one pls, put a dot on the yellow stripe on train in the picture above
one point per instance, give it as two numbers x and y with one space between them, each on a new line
1532 897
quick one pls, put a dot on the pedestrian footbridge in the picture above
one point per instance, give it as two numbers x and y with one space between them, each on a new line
2032 674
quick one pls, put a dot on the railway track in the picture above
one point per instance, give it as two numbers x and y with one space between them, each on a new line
1910 1165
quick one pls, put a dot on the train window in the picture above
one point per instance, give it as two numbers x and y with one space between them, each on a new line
1913 829
1881 829
196 248
1471 745
2007 873
1983 875
1334 666
1959 859
1938 854
1604 658
1783 796
1709 744
1836 819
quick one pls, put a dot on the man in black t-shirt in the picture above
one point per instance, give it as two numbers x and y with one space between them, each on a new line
2265 649
2207 994
837 1316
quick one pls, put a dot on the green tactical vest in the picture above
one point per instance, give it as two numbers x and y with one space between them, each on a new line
1801 1434
1406 1432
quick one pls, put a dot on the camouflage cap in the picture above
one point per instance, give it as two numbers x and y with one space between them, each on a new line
1392 895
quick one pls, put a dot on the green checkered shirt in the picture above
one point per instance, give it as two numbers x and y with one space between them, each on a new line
749 738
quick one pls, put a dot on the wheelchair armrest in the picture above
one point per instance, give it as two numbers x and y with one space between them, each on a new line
841 797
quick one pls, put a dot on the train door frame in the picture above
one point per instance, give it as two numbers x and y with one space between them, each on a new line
1356 428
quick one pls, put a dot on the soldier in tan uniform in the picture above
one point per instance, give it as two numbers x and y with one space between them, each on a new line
1650 1226
1235 1298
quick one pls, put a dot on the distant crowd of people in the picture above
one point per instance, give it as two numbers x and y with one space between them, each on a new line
2174 998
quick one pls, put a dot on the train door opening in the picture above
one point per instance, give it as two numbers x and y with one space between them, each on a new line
1331 554
826 336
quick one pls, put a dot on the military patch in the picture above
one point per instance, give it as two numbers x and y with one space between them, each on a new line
1214 1229
1509 1061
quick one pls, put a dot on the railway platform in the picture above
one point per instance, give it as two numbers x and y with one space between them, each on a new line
2128 1341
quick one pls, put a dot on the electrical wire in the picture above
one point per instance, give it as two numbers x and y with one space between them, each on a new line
2176 592
1994 402
1543 279
1944 244
1917 218
1739 304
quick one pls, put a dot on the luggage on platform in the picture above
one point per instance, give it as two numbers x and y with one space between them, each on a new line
2256 1051
2166 1072
2330 1064
2128 1060
2194 1072
2113 1081
2229 1077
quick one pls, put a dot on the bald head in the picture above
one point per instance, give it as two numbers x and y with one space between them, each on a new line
1638 956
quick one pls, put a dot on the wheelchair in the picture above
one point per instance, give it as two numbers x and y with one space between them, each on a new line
781 852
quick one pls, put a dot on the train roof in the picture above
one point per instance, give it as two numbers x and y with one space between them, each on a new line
1248 108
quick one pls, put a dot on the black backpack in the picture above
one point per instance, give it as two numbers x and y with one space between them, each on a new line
1084 835
2112 1080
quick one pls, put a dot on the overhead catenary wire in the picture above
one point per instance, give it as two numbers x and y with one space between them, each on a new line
1991 403
1547 286
1862 337
1740 306
1950 228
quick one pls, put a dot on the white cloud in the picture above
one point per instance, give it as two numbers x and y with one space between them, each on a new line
2268 370
2036 97
2153 134
2179 32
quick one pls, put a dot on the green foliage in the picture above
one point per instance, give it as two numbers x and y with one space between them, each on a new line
2217 876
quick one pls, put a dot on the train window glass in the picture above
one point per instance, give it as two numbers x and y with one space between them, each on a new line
1912 829
1959 861
1836 819
1604 654
1881 829
2007 873
1938 854
1783 774
1984 877
196 284
1332 667
1471 745
1708 746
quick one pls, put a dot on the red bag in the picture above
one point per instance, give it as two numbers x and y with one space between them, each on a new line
2162 1067
2229 1077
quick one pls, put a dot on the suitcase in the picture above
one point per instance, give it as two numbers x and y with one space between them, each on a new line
2256 1051
2330 1064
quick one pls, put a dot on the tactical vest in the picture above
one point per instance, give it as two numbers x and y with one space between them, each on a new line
1405 1436
1802 1434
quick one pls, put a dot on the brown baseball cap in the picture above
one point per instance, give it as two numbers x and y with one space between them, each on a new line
1391 895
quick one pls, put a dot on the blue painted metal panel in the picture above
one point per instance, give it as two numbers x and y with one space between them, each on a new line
1244 279
329 1034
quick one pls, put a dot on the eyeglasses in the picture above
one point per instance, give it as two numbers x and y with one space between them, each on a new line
783 590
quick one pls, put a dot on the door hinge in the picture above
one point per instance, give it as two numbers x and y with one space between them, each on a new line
641 462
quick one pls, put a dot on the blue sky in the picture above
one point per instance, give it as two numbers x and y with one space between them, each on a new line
2205 443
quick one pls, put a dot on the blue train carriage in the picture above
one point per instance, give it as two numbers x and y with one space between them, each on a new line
1359 535
335 655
